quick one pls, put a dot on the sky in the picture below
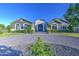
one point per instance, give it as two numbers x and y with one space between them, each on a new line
31 11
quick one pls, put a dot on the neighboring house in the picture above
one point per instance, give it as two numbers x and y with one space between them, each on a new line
59 24
39 25
20 24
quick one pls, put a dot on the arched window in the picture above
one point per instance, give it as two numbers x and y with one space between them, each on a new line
64 27
25 26
17 26
54 26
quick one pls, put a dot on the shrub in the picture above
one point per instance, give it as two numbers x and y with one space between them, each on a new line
32 31
48 31
1 32
71 28
39 49
62 31
2 27
24 31
9 28
29 29
20 31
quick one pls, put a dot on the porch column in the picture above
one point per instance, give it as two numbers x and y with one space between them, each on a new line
37 27
43 27
51 26
57 26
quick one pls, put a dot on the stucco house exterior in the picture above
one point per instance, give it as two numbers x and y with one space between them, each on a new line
39 25
20 24
59 24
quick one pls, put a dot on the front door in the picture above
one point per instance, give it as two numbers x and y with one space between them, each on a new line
40 27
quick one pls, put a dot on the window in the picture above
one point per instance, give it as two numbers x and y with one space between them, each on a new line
64 27
77 29
21 26
17 26
25 26
54 26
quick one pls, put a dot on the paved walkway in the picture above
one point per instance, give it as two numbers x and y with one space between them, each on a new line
20 42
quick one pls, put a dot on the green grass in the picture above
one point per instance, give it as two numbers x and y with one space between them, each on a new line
70 34
9 34
64 34
67 34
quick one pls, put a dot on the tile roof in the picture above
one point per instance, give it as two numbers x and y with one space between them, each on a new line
22 19
58 20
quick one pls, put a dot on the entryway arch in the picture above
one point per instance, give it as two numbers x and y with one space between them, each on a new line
40 26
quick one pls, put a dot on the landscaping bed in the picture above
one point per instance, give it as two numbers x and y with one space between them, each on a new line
60 50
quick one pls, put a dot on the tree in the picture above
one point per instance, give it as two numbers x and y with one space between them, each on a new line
39 49
2 27
72 16
8 28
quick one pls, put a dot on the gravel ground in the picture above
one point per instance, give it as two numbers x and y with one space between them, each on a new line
61 50
21 42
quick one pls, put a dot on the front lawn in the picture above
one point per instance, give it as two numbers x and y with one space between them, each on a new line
70 34
10 34
64 34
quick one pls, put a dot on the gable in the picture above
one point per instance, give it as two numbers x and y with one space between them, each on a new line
21 21
39 21
59 21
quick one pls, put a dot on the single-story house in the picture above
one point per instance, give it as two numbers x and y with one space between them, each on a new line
59 24
39 25
20 24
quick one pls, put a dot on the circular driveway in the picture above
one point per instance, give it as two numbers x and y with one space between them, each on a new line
21 42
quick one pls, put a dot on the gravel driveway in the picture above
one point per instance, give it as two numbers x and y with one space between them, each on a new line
21 42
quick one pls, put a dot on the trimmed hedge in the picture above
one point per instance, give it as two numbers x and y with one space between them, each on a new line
24 31
20 31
